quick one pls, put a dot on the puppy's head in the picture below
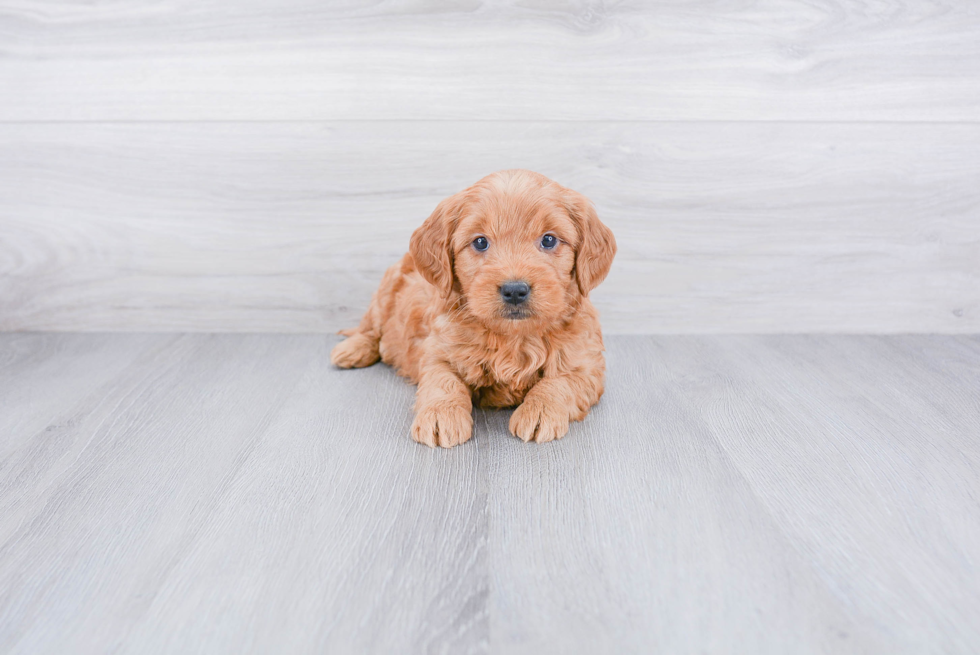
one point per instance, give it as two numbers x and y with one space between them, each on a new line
519 248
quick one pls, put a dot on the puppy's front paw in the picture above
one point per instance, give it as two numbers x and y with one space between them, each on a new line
445 425
356 351
539 421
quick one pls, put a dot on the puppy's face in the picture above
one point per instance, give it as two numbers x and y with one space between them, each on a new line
518 247
513 259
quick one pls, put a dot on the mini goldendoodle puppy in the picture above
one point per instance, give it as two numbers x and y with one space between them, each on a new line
491 305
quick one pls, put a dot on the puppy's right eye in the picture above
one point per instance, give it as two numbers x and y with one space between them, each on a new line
481 244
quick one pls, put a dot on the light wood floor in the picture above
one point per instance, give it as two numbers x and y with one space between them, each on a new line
235 493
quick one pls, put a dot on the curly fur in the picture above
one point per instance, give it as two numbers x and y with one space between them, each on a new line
438 317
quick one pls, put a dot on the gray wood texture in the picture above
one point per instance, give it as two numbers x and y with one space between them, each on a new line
287 227
246 166
729 494
839 60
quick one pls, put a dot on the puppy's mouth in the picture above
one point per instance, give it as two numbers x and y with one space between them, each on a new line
516 313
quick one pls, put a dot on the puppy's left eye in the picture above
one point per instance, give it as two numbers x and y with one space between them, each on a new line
549 241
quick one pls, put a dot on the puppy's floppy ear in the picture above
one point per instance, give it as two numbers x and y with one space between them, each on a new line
597 245
431 244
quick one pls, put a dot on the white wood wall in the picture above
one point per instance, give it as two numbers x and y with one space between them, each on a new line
245 166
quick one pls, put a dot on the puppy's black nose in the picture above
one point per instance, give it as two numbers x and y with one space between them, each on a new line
515 292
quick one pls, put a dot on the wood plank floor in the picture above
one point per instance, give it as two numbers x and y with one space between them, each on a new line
730 494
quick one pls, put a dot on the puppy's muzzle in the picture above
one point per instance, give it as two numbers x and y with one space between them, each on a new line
515 292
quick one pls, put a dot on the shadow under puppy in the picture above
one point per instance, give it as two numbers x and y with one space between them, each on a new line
491 306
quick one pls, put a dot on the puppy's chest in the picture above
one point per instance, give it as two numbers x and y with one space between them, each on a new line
500 377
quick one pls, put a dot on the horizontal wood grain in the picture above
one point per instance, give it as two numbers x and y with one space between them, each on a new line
729 494
722 227
841 60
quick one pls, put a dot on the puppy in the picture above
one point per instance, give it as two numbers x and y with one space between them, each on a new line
491 306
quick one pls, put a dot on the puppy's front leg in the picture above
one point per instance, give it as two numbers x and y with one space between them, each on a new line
552 403
443 409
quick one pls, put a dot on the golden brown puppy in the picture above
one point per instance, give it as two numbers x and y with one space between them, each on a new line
491 305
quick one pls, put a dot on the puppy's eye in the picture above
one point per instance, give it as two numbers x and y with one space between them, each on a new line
549 241
481 244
